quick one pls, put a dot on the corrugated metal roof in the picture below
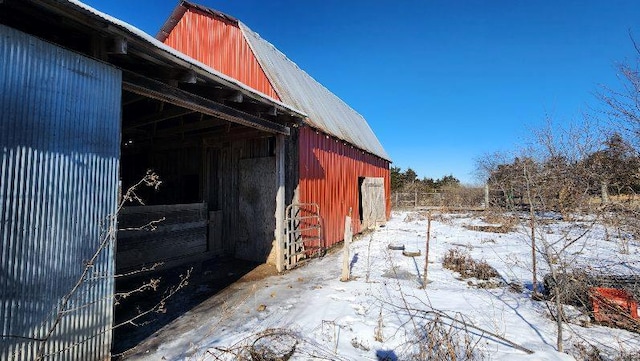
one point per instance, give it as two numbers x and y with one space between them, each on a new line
324 109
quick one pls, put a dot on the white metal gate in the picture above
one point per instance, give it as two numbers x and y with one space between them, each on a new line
303 238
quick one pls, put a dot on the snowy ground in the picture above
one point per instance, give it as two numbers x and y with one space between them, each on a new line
384 310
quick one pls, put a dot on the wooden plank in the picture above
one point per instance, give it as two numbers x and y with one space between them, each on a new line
280 200
154 89
182 234
215 232
161 230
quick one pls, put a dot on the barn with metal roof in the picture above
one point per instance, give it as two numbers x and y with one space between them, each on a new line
90 104
259 162
337 164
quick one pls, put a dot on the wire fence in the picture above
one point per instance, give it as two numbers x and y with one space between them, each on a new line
463 198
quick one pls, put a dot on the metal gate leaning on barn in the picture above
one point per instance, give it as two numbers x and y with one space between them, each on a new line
60 139
303 229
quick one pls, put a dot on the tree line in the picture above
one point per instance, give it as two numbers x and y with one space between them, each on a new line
564 175
408 181
565 167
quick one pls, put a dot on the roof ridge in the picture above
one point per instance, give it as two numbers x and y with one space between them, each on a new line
181 8
243 26
325 110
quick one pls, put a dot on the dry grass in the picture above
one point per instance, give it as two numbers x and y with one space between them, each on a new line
459 261
490 228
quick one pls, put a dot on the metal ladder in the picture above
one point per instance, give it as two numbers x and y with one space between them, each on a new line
303 233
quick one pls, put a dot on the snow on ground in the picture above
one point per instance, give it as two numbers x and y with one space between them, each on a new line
380 311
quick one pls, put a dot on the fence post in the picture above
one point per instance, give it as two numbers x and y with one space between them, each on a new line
346 272
415 200
486 196
426 255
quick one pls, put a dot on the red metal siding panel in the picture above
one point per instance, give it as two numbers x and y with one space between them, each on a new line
329 171
221 45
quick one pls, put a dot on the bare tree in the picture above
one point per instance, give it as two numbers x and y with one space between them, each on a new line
623 103
548 179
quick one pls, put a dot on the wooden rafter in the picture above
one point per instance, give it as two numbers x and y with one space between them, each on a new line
154 89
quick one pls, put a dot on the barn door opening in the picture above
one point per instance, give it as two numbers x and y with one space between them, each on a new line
371 201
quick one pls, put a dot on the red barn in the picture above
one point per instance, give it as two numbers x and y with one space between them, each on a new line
334 162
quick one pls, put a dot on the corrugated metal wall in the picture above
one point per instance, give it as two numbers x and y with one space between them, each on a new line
329 171
60 139
220 45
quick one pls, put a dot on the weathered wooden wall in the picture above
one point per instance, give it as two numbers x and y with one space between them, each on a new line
179 233
256 206
246 196
234 179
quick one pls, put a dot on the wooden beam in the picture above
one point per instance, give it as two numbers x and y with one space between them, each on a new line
118 46
187 76
236 97
204 124
239 134
157 117
134 98
154 89
273 111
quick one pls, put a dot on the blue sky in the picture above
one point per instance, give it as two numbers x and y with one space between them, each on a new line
440 82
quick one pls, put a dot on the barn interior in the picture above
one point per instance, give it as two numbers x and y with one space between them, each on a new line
216 146
211 216
216 192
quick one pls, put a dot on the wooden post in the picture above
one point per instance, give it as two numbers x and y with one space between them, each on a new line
426 253
415 199
280 184
346 258
604 192
486 196
533 251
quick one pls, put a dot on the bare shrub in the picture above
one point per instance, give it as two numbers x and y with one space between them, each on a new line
462 196
570 288
443 342
586 352
589 352
272 344
459 261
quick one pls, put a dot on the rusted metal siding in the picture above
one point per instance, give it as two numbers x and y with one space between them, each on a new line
60 139
220 44
329 172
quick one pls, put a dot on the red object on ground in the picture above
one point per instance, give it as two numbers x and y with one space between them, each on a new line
609 302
